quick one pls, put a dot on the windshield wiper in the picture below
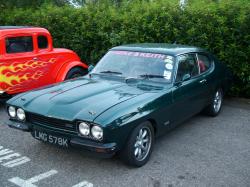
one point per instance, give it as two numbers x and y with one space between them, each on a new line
148 76
112 72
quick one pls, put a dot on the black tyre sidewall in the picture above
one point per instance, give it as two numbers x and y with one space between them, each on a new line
210 110
75 70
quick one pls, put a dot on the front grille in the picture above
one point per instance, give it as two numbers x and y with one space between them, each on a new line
51 122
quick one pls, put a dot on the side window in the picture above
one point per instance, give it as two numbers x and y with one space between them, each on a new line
187 64
42 42
204 62
19 44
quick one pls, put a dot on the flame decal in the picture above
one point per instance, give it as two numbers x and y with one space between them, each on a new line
16 76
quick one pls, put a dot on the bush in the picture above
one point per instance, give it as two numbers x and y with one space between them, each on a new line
222 28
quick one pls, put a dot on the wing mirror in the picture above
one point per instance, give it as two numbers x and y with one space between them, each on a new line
90 68
186 77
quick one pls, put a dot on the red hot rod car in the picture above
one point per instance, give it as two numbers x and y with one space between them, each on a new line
28 60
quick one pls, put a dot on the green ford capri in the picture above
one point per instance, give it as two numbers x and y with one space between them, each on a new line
133 95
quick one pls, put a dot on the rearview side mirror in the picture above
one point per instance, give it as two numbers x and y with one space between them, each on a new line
90 68
186 77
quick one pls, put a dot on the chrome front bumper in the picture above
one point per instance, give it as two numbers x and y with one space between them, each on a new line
105 150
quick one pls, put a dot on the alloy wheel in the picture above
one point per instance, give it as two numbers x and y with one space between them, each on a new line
217 101
143 143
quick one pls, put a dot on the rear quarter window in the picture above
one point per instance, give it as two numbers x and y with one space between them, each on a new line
42 42
204 62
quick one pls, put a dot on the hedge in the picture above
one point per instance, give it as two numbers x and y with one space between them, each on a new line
222 28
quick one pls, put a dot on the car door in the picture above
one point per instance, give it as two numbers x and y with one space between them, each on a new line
188 95
46 57
206 67
17 71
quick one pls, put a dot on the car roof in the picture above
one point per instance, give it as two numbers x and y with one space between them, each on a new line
162 48
14 27
5 30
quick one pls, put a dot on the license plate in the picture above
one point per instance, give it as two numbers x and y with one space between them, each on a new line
52 139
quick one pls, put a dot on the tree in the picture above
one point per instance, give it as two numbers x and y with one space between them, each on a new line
31 4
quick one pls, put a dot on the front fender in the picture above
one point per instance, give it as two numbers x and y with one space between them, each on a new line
119 121
66 68
119 131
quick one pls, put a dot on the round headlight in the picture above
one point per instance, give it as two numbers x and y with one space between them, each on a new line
12 111
84 128
97 132
20 114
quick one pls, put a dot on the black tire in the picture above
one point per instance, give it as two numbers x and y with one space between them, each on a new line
128 153
212 110
75 72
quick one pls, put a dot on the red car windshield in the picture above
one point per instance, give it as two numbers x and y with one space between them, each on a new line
158 67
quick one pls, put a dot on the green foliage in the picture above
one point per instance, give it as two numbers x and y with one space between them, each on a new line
34 3
222 28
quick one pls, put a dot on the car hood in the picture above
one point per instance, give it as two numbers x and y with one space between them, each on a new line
82 98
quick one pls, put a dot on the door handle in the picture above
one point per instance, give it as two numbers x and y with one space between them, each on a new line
35 58
203 81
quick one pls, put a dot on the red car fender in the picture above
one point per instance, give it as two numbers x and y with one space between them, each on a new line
66 68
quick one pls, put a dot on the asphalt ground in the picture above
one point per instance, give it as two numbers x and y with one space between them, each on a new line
203 151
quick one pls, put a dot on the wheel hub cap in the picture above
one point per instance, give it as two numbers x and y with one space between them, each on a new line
142 144
217 101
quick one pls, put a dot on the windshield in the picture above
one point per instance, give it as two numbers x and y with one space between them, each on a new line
130 64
